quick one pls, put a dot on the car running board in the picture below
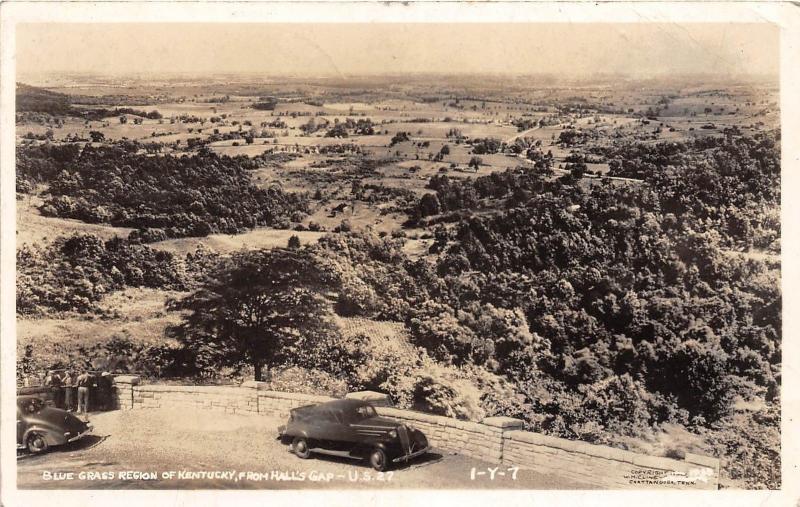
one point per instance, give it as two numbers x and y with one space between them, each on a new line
341 454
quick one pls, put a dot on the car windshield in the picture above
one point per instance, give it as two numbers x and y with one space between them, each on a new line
365 412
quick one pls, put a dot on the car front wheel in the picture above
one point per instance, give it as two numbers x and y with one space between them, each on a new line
378 460
301 448
36 443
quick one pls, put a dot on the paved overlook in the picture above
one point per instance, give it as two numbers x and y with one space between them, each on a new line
134 449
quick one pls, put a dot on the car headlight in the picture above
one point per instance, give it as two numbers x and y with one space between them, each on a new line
393 434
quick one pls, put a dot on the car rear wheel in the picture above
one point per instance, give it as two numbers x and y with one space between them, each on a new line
378 460
36 443
301 448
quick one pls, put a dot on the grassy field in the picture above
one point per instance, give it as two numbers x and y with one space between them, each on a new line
227 243
33 228
136 314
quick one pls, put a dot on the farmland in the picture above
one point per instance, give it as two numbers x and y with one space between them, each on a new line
600 259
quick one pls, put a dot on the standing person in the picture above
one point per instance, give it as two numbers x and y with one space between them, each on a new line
70 391
48 383
58 384
53 381
83 381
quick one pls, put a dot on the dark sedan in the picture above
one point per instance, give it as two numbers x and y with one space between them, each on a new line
353 429
40 427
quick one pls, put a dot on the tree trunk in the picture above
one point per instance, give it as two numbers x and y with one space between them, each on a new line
257 370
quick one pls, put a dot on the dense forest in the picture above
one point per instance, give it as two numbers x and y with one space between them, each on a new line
610 309
161 196
73 273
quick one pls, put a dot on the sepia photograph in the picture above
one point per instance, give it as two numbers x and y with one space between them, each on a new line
379 256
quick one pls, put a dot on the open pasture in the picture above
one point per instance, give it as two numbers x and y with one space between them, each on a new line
228 243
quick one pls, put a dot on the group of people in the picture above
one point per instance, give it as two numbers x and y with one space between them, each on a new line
75 391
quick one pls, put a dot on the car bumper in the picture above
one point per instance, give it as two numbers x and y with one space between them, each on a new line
406 457
80 435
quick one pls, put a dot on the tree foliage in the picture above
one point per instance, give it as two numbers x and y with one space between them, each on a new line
188 196
258 308
74 273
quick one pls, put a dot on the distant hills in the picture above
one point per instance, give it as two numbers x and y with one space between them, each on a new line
39 100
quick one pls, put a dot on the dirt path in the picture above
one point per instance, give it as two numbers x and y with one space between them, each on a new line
520 134
211 450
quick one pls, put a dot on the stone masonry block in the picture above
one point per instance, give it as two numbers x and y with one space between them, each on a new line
657 462
130 380
508 423
707 461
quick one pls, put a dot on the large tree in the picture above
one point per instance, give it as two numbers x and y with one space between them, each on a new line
258 308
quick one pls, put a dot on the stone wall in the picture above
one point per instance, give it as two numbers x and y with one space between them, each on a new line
607 467
249 398
496 440
482 440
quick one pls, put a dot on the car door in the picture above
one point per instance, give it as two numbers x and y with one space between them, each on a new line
322 428
339 432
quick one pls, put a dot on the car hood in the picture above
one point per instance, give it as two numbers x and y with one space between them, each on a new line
57 418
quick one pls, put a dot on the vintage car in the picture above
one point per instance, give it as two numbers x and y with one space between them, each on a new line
353 429
40 427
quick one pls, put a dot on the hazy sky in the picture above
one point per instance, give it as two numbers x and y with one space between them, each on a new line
348 49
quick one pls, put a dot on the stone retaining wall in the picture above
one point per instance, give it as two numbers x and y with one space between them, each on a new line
607 467
482 440
496 440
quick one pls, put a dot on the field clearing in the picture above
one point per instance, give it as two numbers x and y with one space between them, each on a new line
205 109
346 107
417 248
439 129
361 216
228 243
33 228
304 141
140 317
249 150
400 174
416 184
297 107
388 336
114 131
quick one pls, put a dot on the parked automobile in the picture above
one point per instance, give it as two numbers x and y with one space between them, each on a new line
44 393
40 427
353 429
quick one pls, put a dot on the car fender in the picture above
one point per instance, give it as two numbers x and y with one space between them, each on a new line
378 445
50 436
295 432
